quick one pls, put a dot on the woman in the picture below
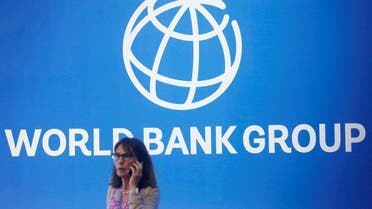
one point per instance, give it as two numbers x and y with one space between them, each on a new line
133 183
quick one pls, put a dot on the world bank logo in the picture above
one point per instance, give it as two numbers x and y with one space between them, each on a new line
178 54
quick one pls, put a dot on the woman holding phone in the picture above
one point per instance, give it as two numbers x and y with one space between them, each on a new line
133 183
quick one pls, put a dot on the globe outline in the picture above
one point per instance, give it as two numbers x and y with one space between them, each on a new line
224 79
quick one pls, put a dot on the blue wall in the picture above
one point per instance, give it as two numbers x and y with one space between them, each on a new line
308 62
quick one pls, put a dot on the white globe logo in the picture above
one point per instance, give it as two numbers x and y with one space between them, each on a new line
148 14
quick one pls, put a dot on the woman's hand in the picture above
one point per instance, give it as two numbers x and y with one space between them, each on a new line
136 176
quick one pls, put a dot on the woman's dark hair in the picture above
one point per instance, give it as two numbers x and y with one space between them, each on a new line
138 149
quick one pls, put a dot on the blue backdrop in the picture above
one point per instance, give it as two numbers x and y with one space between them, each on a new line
63 79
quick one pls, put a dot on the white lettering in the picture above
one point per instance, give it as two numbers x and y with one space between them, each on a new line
62 142
196 138
303 139
80 143
96 145
278 140
117 134
156 140
15 150
337 137
312 138
176 134
349 139
224 140
260 141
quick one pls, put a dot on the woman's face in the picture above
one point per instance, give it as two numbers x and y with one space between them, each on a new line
123 161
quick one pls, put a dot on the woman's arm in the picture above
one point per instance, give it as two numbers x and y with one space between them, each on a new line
109 195
147 198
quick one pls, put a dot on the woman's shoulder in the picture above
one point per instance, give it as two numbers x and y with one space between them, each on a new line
150 190
110 191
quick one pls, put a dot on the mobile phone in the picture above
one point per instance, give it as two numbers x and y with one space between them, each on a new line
130 173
